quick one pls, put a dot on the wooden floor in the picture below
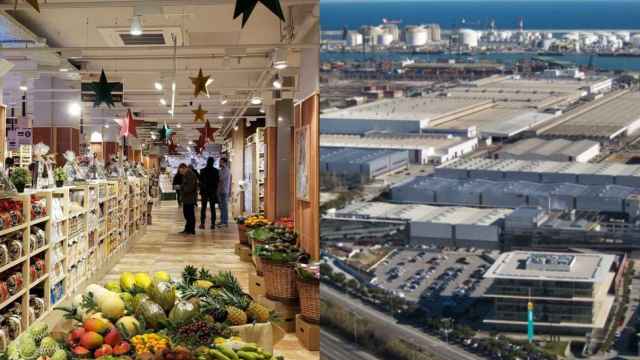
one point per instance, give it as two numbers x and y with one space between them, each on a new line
162 248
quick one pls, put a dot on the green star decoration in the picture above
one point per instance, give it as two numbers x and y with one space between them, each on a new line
245 8
165 133
103 91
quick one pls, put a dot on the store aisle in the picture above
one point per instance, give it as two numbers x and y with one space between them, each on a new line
162 248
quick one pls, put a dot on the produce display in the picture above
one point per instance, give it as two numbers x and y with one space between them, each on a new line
152 317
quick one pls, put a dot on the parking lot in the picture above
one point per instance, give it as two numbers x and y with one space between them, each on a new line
434 278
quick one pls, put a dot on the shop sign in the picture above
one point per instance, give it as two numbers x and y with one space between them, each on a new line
19 136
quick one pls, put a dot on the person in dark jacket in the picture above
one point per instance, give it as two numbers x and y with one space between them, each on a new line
209 177
189 191
177 183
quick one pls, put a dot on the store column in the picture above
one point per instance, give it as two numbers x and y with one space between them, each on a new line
271 178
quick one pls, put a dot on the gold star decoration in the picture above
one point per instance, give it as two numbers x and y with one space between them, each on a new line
33 3
200 84
199 113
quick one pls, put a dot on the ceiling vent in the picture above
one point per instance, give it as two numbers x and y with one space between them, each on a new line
152 36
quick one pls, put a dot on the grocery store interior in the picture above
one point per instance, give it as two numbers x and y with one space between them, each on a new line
101 104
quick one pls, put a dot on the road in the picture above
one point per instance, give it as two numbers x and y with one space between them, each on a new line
391 329
334 348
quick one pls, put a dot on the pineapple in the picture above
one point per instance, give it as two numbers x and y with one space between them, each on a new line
189 274
236 305
215 307
38 332
48 347
204 274
258 312
227 281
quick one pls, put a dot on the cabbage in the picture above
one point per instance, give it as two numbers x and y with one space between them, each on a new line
164 294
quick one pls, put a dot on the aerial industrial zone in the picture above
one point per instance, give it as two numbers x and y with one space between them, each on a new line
458 205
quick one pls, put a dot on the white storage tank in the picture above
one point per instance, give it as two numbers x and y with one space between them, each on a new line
468 38
635 40
384 39
416 35
624 35
354 38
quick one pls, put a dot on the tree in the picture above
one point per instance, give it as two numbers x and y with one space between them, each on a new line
353 284
339 278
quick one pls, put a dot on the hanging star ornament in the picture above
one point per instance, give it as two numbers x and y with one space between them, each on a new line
165 133
128 125
103 90
173 147
207 131
200 84
200 144
199 113
245 8
33 3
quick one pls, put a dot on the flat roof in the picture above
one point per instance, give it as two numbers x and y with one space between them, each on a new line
406 109
585 267
436 143
544 147
608 118
424 213
351 155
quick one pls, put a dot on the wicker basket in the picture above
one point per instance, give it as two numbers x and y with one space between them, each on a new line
280 281
242 234
309 292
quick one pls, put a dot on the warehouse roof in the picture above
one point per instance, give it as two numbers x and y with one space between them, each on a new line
581 267
413 108
547 148
424 213
351 155
436 143
607 118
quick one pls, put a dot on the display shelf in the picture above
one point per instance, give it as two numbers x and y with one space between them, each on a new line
13 229
13 298
12 264
38 281
40 250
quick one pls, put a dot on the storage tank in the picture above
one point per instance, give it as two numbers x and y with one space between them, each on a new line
505 35
416 35
624 35
546 44
354 38
384 39
436 34
468 38
547 35
572 36
635 40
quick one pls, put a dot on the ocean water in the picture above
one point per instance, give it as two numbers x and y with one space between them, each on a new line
537 14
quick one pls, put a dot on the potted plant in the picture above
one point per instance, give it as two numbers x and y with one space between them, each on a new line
20 177
309 291
246 224
279 260
60 176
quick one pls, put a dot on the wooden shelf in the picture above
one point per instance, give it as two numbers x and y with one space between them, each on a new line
12 264
14 229
39 220
38 281
43 248
15 297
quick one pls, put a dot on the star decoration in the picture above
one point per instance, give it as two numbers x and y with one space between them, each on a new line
245 7
103 90
200 84
207 131
200 144
33 3
173 147
199 113
165 133
128 125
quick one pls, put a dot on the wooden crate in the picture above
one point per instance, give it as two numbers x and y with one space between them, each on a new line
256 286
244 252
286 312
308 334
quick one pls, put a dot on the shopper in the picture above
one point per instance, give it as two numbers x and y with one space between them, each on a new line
177 183
209 178
189 189
224 190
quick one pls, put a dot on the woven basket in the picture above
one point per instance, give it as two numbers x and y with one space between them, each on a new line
280 281
309 292
242 234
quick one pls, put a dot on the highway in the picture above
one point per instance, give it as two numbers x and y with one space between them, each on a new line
389 328
334 348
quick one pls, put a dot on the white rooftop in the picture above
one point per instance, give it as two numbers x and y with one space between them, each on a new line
388 141
613 169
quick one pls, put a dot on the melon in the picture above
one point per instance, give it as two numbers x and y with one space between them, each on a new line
127 282
111 306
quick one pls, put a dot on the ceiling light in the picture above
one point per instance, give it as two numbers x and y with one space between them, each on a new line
280 59
136 26
178 125
262 110
190 142
220 117
235 127
224 100
170 112
153 136
277 82
74 109
163 101
106 126
64 70
96 137
256 100
209 81
158 86
23 86
279 118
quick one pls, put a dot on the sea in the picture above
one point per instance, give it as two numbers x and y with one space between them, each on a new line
476 14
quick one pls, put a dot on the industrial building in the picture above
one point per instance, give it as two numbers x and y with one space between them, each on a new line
570 292
364 164
610 199
606 119
550 150
441 225
422 149
452 71
543 172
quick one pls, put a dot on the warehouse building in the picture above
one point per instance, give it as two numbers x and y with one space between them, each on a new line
550 150
571 293
422 149
606 119
543 171
365 164
609 199
439 225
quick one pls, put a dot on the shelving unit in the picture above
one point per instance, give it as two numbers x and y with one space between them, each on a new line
86 229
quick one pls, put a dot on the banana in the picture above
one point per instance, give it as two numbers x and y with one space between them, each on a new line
225 350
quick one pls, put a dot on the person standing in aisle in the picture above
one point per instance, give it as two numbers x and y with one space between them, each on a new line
189 191
224 190
209 178
177 183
